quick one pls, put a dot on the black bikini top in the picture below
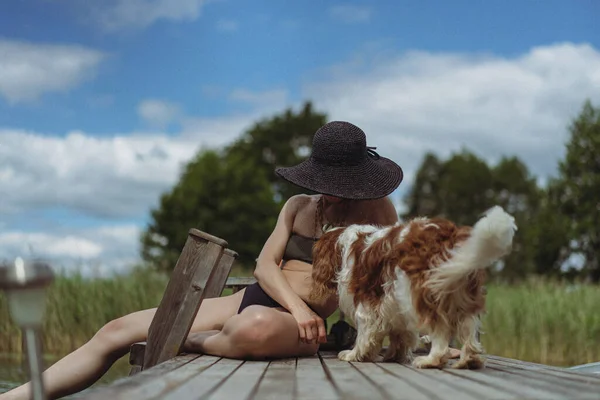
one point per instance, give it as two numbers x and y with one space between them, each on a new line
299 248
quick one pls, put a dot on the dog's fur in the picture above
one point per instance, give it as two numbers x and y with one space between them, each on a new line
425 275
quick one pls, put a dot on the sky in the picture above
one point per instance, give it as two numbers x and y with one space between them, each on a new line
102 102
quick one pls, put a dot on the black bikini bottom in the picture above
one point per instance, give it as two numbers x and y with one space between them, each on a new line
255 295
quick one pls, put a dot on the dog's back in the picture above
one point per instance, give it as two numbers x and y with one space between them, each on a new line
427 273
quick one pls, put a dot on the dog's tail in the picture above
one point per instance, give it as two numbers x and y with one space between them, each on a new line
490 239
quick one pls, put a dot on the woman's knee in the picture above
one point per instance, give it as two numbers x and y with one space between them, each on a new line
256 325
308 349
122 332
255 330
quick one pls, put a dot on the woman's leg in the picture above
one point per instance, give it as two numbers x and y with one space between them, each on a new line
81 368
258 332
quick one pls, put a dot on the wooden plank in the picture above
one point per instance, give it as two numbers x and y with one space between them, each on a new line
325 377
394 386
207 237
137 350
240 281
159 387
475 388
220 274
312 381
206 382
564 387
123 385
589 368
349 381
279 381
552 373
564 372
136 354
519 388
242 383
183 295
425 381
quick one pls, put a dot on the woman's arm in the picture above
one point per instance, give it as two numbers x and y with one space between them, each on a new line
268 274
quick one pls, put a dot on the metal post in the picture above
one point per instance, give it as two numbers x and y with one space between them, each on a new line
36 366
25 284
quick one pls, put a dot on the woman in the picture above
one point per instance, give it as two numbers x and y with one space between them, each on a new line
272 318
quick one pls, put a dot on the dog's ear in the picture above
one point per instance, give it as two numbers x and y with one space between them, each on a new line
327 260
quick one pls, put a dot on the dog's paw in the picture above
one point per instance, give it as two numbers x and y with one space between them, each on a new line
408 358
347 355
390 354
471 362
427 362
399 356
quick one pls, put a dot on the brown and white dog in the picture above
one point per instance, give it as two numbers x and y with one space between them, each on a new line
424 275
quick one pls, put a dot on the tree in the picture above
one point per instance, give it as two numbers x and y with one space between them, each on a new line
458 188
464 186
549 234
423 196
232 193
578 187
515 190
219 194
283 140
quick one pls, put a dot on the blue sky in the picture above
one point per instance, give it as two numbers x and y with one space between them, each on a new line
111 97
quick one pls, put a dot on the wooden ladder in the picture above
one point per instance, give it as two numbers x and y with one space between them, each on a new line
201 272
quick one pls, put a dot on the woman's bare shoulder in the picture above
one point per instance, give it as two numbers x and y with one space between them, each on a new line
298 202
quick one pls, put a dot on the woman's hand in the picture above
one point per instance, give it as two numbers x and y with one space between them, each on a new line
311 327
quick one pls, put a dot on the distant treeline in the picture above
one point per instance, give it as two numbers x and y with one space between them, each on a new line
233 193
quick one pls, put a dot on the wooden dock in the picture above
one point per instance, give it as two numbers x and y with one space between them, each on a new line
194 376
160 371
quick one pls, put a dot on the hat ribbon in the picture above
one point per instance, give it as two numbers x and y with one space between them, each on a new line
372 153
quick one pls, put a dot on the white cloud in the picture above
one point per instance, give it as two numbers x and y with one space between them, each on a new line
350 14
216 132
118 176
43 244
421 101
108 176
158 113
136 14
407 104
96 251
227 25
28 70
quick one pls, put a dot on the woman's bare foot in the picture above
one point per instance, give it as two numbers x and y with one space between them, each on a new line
195 341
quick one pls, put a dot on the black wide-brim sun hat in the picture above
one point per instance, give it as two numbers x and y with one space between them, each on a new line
342 165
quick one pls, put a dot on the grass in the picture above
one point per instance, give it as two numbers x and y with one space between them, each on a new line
542 321
78 307
539 321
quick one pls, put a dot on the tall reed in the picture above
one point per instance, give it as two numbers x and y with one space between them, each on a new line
77 307
541 321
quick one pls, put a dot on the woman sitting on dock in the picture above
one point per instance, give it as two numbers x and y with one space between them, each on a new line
273 317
